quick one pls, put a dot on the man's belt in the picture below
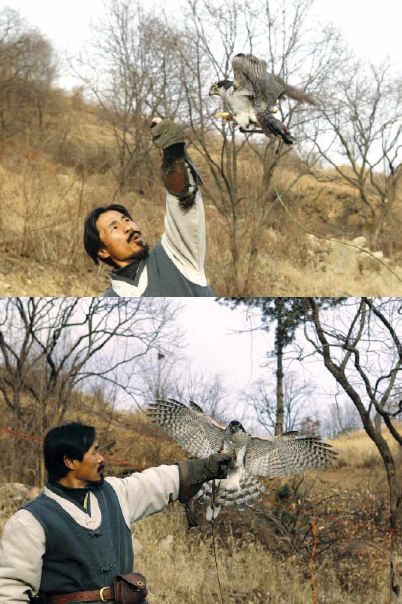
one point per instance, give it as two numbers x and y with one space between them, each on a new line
130 588
105 594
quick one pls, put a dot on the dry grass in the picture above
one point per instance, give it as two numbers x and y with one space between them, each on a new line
256 563
41 224
357 450
183 570
46 191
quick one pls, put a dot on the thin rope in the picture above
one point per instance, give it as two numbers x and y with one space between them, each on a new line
213 540
215 558
345 243
314 530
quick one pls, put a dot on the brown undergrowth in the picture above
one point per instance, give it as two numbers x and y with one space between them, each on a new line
264 554
48 186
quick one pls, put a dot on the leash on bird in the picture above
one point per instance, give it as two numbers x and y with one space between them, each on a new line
332 240
214 541
192 523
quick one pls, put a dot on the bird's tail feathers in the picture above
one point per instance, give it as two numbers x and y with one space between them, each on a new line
270 125
222 494
298 95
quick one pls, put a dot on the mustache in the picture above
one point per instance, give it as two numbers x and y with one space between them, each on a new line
101 467
133 234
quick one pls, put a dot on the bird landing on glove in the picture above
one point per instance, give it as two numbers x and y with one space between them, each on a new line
253 456
251 98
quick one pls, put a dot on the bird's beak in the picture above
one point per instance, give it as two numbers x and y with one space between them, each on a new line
211 91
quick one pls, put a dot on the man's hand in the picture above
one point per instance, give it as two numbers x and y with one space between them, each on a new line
166 133
194 472
179 174
216 465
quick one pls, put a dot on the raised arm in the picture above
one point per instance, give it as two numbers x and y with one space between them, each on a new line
184 239
144 493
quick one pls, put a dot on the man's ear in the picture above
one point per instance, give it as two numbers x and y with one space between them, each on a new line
69 463
103 253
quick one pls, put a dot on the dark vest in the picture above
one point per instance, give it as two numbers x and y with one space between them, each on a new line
78 558
164 278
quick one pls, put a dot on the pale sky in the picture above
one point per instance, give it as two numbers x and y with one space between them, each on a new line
217 341
372 29
214 345
211 338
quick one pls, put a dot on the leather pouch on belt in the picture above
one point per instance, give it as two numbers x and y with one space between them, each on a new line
130 589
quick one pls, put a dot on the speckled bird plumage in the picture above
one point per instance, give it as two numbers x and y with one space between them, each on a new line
250 98
254 456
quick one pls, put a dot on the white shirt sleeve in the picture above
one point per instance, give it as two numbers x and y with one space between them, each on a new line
21 553
184 239
144 493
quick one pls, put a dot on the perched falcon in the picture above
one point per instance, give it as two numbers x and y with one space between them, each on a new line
254 456
249 99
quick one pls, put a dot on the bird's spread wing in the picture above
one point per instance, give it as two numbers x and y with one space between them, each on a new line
248 71
199 434
250 74
286 455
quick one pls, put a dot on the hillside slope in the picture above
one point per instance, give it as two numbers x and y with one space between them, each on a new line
47 188
326 531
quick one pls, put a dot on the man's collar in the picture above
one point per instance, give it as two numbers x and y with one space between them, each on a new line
60 489
129 271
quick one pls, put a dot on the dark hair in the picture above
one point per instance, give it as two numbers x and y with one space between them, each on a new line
92 240
71 440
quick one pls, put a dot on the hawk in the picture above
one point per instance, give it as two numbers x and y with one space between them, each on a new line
253 456
250 99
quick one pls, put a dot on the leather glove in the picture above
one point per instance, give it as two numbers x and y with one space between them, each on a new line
216 465
177 167
166 133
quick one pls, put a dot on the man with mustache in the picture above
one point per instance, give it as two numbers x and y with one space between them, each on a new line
175 267
70 543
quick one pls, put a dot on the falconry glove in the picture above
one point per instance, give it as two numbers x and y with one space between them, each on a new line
214 466
179 175
194 472
166 133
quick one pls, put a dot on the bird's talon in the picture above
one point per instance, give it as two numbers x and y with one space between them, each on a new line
223 115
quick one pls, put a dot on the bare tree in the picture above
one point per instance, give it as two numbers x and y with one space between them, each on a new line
359 136
27 71
50 348
285 315
361 347
171 375
342 416
133 75
208 392
264 402
242 191
160 375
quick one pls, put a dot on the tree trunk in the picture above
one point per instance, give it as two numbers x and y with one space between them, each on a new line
377 423
279 345
395 573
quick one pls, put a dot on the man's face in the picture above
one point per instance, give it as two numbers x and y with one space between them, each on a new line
90 469
121 238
